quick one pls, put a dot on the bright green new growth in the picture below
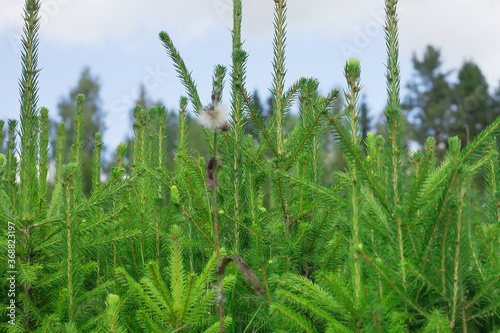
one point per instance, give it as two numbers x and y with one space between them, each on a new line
11 186
181 303
28 86
398 243
2 134
44 161
96 170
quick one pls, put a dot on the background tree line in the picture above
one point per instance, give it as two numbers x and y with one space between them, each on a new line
439 107
434 105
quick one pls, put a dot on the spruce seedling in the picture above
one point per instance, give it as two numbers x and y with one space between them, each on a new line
11 185
61 143
29 116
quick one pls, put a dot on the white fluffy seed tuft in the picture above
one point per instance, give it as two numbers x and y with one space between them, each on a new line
214 117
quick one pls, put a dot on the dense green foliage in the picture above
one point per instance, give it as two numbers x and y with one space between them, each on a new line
398 243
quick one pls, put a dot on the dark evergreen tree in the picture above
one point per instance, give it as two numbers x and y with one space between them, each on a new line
364 119
92 121
144 102
428 104
269 111
473 107
495 101
251 129
258 103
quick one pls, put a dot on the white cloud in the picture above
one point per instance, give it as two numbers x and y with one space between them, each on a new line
10 14
461 25
92 21
463 30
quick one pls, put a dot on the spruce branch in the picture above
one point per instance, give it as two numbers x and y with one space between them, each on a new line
29 118
238 76
442 209
61 143
456 263
422 277
96 170
44 160
394 286
269 240
308 133
352 74
11 185
113 310
279 43
182 135
296 320
492 174
183 73
243 150
344 297
475 146
77 148
183 212
291 93
69 173
28 89
327 193
109 217
332 97
2 133
355 154
393 72
422 170
255 117
394 121
316 310
141 144
145 298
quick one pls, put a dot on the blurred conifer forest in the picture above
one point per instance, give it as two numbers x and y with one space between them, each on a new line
301 213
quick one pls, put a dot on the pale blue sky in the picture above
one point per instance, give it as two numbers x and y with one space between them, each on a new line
118 40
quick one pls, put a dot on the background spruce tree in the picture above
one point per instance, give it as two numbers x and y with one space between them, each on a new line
144 102
92 121
436 106
495 100
473 110
364 119
428 104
